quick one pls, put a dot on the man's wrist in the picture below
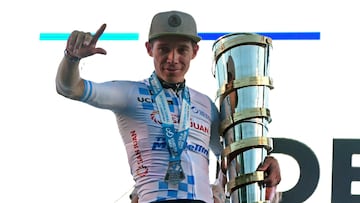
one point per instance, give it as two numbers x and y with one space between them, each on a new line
70 57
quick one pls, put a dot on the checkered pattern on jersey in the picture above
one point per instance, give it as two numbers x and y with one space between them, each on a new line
183 190
150 105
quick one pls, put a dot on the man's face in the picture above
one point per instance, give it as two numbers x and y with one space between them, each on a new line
172 56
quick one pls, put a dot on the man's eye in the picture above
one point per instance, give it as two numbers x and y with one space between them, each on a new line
163 49
182 51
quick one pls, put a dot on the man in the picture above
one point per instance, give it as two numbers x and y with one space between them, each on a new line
167 127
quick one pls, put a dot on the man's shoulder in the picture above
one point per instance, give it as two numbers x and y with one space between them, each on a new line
128 82
197 93
199 96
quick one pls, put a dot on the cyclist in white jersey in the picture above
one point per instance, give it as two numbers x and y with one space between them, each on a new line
168 129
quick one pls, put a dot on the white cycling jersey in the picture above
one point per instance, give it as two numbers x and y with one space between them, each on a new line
140 127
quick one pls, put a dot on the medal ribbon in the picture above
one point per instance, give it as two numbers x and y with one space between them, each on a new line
175 139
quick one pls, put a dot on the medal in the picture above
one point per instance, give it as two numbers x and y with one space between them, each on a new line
174 172
175 139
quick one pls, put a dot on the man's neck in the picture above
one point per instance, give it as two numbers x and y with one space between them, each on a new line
175 86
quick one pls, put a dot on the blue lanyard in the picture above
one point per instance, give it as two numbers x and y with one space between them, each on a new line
175 139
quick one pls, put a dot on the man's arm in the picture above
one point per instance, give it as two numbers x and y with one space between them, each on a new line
68 81
79 45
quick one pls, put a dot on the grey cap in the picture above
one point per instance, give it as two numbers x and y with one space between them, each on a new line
173 23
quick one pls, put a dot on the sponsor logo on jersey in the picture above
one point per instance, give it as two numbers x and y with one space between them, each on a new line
199 127
160 144
141 170
149 104
193 124
155 116
200 112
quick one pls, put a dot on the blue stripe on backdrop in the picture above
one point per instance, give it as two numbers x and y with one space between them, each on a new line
272 35
104 36
204 35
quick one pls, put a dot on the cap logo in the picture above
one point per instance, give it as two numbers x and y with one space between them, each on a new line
174 20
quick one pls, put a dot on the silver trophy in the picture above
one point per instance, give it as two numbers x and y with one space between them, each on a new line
241 68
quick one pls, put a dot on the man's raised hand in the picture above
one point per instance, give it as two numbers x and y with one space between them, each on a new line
83 44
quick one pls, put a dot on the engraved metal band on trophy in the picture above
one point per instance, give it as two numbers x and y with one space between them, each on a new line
250 81
241 69
245 179
230 152
227 41
243 115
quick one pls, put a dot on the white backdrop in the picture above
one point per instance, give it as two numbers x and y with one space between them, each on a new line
56 150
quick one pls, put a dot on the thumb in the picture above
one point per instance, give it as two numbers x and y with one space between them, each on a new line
99 50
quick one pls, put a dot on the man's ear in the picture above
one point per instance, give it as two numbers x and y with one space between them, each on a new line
196 49
148 46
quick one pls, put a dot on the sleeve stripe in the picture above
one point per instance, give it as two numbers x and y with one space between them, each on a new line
87 90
